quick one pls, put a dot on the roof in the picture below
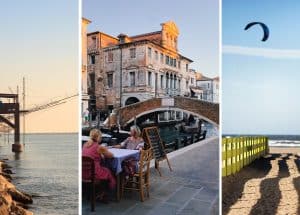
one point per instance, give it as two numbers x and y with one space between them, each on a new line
198 90
216 78
99 32
146 34
201 77
86 20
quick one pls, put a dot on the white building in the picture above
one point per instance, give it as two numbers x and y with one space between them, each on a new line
209 88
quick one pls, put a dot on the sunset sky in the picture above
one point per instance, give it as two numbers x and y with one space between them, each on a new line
198 23
39 40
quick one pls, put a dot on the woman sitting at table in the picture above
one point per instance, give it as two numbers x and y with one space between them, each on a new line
95 151
134 142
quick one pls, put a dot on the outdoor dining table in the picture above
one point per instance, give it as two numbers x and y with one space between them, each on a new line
115 163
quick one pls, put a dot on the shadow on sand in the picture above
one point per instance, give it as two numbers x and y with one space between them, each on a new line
233 186
270 190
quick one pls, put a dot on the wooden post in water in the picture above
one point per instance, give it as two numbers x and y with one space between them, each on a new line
17 146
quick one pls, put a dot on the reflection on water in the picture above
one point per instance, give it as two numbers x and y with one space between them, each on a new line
47 169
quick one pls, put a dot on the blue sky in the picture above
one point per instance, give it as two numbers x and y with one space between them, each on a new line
196 20
261 79
39 40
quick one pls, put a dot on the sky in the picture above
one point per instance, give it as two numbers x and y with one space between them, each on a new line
260 80
198 23
39 41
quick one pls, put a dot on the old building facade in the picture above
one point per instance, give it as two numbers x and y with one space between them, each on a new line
209 88
123 70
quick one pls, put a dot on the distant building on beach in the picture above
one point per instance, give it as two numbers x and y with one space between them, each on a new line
209 88
126 69
84 56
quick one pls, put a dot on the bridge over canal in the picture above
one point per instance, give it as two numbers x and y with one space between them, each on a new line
205 110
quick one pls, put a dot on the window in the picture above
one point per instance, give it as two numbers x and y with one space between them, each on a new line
174 62
161 57
179 84
161 81
93 59
156 55
94 39
171 61
150 78
187 84
192 81
179 64
92 81
132 53
186 67
149 52
110 80
132 79
110 57
167 60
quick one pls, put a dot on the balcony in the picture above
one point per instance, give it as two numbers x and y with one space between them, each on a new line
136 89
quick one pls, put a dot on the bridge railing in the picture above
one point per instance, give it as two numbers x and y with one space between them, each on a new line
238 152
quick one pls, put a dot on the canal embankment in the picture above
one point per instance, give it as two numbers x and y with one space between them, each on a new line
191 188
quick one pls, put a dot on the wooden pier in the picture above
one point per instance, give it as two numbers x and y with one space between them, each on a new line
11 108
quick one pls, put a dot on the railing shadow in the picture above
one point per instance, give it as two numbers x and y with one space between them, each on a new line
296 182
233 186
270 190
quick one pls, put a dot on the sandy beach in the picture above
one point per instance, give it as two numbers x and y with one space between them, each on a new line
269 185
294 150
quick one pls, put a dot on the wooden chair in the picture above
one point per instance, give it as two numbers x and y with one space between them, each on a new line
88 177
140 180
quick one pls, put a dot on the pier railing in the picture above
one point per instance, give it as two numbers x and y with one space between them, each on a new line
238 152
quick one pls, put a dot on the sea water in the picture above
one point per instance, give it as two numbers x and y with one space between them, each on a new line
48 170
277 140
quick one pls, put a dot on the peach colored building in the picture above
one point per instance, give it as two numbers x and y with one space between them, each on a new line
126 69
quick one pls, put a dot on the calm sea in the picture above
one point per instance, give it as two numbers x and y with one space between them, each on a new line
47 169
279 140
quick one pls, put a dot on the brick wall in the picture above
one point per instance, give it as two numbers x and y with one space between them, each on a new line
205 109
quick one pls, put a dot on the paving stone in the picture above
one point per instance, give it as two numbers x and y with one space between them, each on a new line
182 195
175 192
196 207
165 209
207 195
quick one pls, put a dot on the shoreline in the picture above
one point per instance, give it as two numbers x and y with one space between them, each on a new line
284 149
12 201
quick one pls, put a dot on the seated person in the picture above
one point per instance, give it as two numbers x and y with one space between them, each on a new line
93 150
134 142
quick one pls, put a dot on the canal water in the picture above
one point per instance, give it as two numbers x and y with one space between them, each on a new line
170 133
48 170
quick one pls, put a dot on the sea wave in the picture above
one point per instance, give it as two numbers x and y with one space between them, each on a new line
284 143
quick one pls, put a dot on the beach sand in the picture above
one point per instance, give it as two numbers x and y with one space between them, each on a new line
269 185
294 150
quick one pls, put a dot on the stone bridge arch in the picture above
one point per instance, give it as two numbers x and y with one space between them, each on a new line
206 110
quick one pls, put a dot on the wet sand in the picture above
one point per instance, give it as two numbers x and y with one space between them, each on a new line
269 185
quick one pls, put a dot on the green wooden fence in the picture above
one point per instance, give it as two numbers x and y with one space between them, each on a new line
238 152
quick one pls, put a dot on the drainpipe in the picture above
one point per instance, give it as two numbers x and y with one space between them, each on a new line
121 75
155 85
212 91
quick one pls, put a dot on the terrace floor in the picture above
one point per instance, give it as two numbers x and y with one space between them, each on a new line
191 189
